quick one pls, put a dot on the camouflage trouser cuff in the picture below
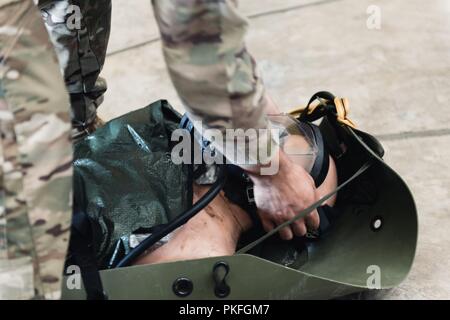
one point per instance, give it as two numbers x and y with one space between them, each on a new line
84 114
78 133
84 107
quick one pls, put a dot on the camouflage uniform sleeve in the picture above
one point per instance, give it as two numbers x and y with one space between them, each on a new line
35 157
214 74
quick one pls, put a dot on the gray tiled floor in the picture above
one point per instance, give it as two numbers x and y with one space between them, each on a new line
397 79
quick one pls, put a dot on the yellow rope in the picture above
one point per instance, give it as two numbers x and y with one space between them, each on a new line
342 110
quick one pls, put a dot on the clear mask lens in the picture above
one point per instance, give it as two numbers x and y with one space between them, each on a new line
296 139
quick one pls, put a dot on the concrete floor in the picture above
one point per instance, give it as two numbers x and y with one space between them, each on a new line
397 79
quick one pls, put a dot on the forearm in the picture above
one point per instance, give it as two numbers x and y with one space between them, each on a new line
211 69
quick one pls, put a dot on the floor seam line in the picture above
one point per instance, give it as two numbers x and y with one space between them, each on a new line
251 16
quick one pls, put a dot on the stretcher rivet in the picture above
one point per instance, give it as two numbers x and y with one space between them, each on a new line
376 224
183 287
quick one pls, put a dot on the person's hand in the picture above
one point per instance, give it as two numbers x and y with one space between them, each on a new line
281 196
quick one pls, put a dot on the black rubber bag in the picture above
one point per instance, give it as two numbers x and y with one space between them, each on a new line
124 176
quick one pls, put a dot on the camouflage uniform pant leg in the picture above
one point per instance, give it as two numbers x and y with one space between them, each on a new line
35 157
79 30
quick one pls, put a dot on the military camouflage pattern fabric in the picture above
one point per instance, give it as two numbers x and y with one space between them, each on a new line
211 69
35 157
204 47
79 30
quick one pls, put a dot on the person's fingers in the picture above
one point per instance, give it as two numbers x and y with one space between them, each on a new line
267 224
286 232
313 220
298 227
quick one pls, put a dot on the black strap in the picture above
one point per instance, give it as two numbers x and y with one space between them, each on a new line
81 248
321 165
239 190
327 216
83 255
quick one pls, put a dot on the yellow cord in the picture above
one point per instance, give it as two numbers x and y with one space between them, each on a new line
342 110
